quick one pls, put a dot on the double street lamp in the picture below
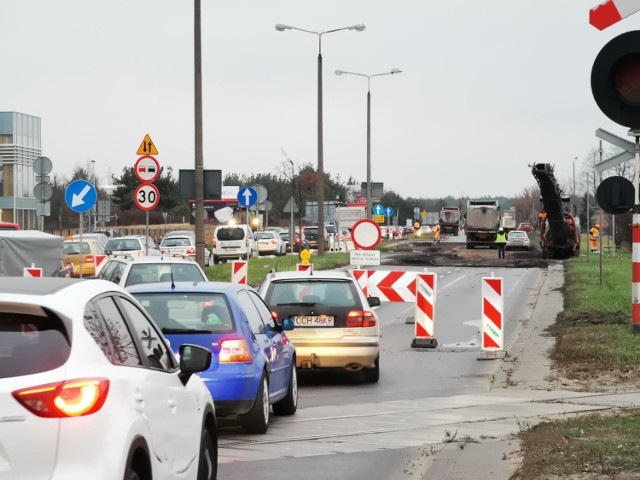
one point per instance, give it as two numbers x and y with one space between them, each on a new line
369 77
320 173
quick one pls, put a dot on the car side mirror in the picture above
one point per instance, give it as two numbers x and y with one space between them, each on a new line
373 301
193 359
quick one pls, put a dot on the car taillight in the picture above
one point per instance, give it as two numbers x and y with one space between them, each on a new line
213 242
360 318
88 258
70 398
190 251
275 315
234 351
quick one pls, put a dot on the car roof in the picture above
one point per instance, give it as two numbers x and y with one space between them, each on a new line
318 275
53 285
161 259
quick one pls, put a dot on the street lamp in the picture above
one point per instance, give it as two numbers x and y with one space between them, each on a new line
293 192
368 77
320 182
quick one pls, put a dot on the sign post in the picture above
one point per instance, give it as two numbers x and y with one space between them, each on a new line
147 170
80 197
247 197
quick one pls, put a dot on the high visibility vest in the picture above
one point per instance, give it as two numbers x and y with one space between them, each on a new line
501 238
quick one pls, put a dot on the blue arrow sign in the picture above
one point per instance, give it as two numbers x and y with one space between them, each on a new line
247 197
378 209
388 212
80 196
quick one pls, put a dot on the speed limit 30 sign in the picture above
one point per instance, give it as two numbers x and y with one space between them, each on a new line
146 196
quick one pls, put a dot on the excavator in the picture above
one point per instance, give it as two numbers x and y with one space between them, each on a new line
559 235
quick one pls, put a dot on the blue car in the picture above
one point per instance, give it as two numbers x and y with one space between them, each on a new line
256 361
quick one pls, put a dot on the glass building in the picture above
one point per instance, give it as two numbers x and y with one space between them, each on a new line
20 145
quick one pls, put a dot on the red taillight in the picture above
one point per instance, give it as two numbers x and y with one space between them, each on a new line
234 351
88 259
275 315
190 251
360 319
71 398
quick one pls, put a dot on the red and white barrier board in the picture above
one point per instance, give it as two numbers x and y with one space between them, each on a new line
239 271
612 11
392 286
32 272
492 314
426 285
362 277
303 268
100 260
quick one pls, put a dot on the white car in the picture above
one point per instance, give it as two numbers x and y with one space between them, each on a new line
233 241
270 242
518 239
183 246
126 271
89 388
132 245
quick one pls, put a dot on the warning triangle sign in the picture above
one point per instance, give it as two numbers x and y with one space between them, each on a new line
147 147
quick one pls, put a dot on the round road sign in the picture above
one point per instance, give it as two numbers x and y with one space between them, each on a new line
147 169
366 234
146 197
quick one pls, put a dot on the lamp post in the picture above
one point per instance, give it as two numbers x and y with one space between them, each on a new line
368 77
320 182
293 192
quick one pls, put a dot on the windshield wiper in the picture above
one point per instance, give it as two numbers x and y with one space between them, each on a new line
184 330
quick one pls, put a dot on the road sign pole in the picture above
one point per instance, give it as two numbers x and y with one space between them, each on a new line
81 231
146 232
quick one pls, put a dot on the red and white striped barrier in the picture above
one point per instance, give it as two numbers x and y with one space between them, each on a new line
392 286
100 261
303 268
635 275
492 314
239 271
362 277
32 272
426 284
612 11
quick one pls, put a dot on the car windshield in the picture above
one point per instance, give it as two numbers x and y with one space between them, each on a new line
123 244
73 248
188 313
164 272
312 292
266 236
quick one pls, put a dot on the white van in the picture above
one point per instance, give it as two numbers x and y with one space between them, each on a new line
233 241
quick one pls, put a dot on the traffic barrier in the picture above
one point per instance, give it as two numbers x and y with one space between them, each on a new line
426 286
100 261
492 315
362 277
32 271
392 286
239 271
635 275
301 267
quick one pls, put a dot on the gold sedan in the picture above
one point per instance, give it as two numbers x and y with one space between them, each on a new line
85 261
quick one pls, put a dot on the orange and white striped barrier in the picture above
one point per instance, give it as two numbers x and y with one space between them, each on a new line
362 277
426 285
492 315
392 286
301 267
239 271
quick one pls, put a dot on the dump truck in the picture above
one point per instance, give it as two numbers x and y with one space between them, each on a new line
449 220
20 249
559 236
508 219
482 223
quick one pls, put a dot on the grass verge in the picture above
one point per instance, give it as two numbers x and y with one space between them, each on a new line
595 351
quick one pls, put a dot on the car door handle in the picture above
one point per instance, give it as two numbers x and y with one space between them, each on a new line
172 405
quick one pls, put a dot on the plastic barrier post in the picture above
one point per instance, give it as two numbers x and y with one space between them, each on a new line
300 267
239 271
362 277
492 342
426 286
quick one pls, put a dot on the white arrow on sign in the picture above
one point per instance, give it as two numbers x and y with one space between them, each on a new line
612 11
78 198
247 196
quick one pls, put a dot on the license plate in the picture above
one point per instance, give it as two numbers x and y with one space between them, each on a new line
314 321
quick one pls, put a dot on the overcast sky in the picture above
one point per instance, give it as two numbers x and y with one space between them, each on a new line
487 87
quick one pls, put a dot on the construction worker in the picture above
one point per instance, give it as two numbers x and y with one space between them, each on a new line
594 234
436 232
501 242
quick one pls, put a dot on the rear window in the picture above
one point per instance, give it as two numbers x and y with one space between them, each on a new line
73 248
266 236
311 232
31 344
163 272
122 245
232 233
176 242
180 313
316 292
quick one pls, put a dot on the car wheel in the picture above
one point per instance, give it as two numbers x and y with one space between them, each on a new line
372 375
289 404
257 419
208 463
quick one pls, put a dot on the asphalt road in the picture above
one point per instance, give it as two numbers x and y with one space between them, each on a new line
356 430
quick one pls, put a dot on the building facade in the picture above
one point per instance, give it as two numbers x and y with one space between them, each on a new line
20 145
